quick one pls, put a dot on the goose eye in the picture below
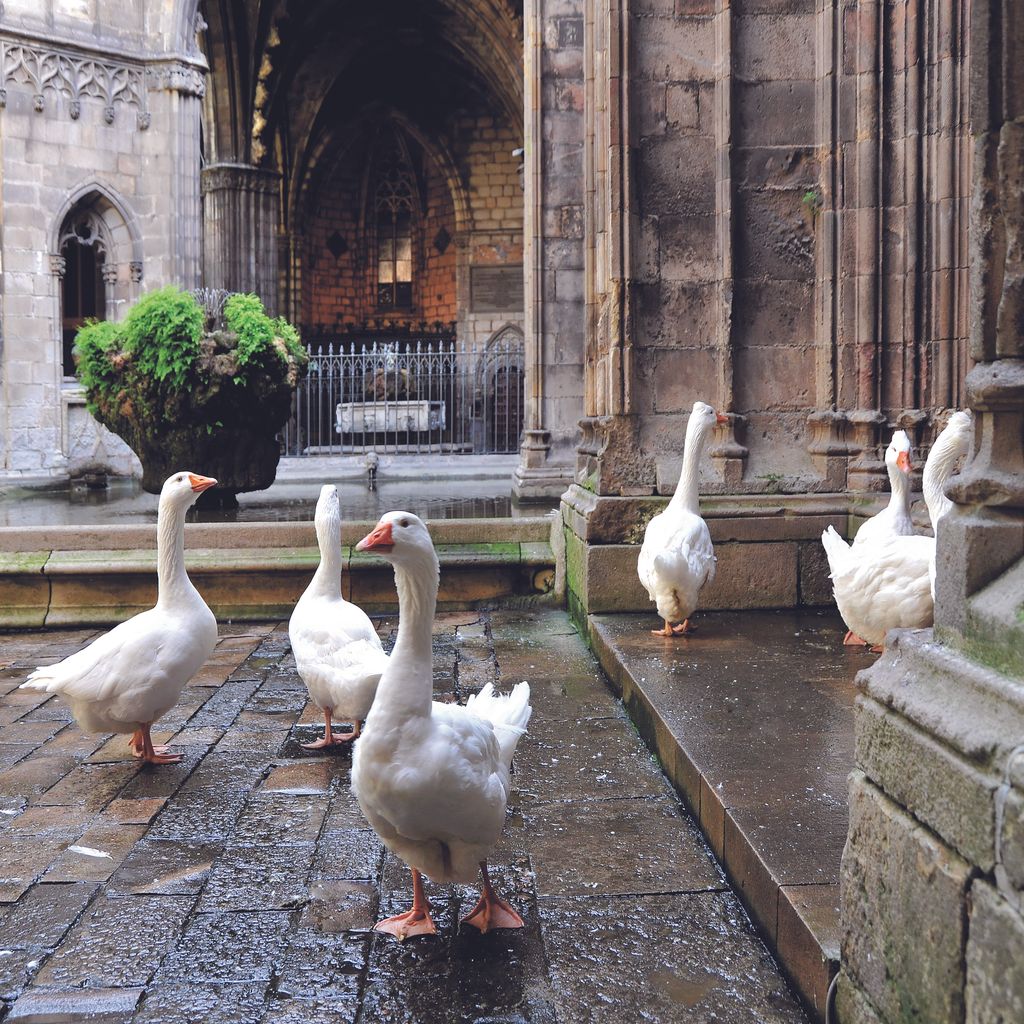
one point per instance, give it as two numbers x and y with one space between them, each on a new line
403 522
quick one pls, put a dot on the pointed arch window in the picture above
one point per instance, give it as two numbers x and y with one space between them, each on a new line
83 288
394 208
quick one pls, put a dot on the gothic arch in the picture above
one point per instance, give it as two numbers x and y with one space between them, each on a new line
500 376
113 212
93 224
319 163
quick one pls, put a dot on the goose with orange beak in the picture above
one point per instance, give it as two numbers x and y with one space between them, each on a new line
677 557
433 779
129 678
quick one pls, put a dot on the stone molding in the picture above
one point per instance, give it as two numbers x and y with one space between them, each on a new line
176 76
238 177
52 72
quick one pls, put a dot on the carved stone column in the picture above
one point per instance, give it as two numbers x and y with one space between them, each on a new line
240 240
553 245
933 871
176 89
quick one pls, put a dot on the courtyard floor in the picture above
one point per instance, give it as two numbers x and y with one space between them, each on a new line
241 885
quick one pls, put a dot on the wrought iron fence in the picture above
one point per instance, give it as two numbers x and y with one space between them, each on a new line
409 396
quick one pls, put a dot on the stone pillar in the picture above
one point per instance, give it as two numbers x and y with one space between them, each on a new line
240 241
552 243
933 871
176 90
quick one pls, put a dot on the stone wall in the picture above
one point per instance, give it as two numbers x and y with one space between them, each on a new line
113 136
775 222
933 871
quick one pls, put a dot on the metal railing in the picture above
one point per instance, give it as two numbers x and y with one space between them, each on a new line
409 396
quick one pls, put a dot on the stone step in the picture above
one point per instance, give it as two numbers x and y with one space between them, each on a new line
60 583
752 720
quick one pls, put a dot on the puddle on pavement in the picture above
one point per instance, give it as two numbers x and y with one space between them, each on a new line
685 991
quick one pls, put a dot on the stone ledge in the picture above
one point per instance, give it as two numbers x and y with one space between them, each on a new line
930 684
759 754
764 517
223 536
70 588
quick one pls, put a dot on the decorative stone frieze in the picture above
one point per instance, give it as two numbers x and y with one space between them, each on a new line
58 264
56 73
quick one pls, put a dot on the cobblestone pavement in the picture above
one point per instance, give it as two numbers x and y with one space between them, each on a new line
241 885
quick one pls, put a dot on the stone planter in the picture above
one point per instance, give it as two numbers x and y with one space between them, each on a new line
240 459
180 398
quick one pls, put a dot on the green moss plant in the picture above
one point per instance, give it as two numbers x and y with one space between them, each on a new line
182 395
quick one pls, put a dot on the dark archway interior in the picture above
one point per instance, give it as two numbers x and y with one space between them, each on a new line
318 91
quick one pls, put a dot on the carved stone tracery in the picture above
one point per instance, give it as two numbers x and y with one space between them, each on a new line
54 72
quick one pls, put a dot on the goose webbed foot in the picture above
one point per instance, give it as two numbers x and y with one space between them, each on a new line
416 921
331 738
137 746
684 628
151 754
667 631
490 910
852 640
335 739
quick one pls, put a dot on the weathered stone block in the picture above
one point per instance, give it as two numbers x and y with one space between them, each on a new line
775 378
774 113
753 576
775 235
613 584
680 377
769 48
814 584
903 892
24 591
940 789
995 959
852 1006
773 313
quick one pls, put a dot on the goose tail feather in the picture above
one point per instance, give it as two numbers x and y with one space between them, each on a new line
509 713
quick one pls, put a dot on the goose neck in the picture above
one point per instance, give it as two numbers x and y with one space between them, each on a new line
327 578
938 468
407 685
173 583
899 486
687 490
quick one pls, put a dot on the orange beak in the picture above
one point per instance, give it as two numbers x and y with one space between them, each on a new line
720 418
379 539
903 461
201 483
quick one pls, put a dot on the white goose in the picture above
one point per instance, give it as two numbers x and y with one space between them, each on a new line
433 779
128 678
894 520
337 651
947 450
677 557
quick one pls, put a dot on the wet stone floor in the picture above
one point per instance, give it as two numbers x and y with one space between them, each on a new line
241 885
